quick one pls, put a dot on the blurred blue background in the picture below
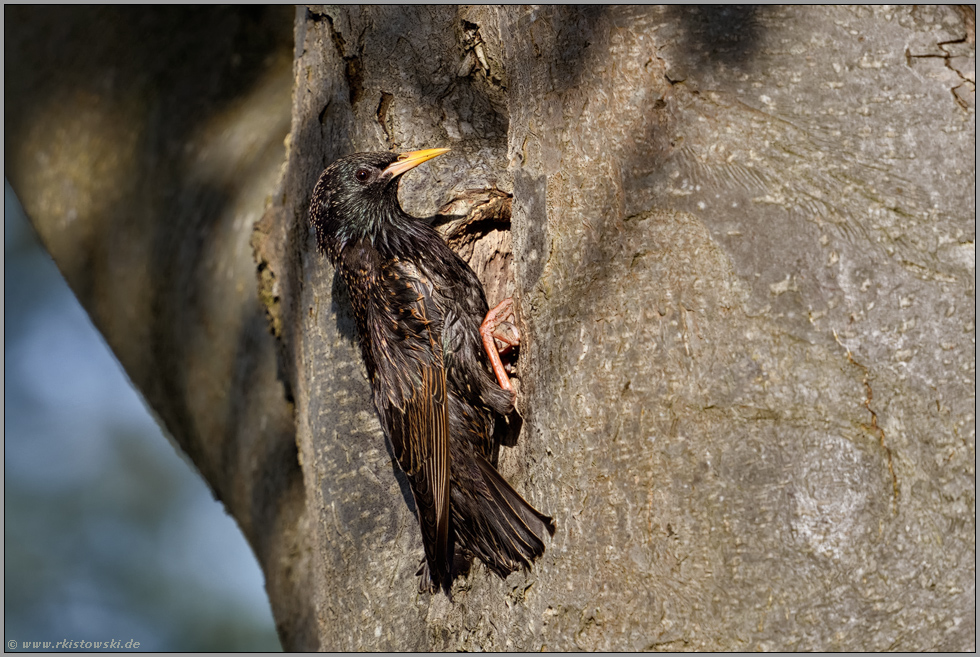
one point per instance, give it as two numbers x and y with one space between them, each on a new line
109 532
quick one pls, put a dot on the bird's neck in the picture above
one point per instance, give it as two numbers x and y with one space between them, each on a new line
392 233
355 224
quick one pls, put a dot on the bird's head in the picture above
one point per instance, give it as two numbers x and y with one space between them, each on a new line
357 196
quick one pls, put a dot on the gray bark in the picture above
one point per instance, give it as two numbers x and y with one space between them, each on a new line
743 258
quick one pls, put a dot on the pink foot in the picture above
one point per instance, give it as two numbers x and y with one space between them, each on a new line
495 327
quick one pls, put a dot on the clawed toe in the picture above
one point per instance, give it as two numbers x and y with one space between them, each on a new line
495 328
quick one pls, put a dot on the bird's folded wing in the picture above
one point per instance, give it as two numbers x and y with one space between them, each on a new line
414 404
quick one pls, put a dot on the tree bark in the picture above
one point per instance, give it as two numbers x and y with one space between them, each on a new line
741 242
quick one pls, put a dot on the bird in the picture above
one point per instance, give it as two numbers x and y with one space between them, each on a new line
426 335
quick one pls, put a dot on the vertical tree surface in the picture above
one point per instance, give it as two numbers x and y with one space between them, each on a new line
741 242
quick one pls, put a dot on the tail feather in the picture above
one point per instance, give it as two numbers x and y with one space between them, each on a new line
503 531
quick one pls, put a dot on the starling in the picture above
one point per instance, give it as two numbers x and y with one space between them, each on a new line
438 385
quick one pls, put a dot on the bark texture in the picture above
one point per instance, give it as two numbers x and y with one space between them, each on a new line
743 256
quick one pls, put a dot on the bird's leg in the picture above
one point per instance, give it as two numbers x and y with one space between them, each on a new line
495 327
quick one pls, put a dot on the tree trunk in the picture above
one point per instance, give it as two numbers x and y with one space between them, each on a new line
743 259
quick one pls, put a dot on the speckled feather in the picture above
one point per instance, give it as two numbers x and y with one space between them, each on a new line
418 309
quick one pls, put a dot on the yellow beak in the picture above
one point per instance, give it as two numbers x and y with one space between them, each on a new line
411 160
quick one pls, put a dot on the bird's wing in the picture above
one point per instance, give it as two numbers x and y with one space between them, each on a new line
412 398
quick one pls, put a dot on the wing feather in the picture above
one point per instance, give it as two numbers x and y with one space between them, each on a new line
413 400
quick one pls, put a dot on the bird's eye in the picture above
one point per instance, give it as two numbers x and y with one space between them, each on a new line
362 175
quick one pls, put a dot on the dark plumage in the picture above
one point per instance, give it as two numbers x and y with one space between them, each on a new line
418 309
